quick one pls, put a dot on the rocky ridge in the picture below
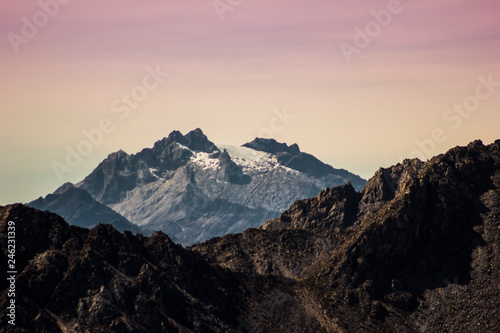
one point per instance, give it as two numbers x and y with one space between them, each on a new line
418 250
78 206
73 279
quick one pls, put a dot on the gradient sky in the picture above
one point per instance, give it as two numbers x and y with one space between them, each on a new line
229 77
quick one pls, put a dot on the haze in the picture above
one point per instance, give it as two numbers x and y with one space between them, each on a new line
234 69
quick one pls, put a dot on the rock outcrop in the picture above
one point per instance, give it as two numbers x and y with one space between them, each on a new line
72 279
78 206
418 250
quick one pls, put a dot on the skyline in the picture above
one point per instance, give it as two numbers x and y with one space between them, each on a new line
365 85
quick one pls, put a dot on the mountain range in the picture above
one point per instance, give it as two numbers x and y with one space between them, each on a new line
193 189
417 250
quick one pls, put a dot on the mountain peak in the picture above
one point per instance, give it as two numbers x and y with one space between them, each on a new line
230 171
198 141
175 136
272 146
196 131
416 250
120 154
195 140
192 189
63 188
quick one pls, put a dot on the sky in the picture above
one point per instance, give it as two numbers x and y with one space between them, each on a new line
358 84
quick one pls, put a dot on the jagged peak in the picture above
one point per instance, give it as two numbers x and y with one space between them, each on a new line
197 131
475 144
195 140
117 154
175 136
272 146
224 157
64 187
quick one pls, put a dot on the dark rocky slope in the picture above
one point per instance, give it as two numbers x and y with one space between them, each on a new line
72 279
418 250
78 206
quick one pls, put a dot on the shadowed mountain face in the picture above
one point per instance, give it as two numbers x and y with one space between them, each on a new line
78 206
192 189
418 250
73 279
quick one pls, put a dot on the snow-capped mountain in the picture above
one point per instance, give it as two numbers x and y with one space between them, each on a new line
193 189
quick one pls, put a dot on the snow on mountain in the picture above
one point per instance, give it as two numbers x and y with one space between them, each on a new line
193 189
205 161
250 159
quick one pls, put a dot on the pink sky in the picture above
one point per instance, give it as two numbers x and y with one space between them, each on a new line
228 76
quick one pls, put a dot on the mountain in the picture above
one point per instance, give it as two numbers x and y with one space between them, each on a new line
293 158
73 279
193 189
78 206
418 250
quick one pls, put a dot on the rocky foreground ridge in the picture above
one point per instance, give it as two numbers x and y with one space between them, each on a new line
417 250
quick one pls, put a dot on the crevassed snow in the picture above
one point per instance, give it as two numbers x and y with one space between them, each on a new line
202 159
249 159
252 161
239 152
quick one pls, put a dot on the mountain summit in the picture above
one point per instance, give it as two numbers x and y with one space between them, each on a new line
193 189
417 250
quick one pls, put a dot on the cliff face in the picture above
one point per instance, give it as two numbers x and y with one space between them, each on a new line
418 250
342 206
78 206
